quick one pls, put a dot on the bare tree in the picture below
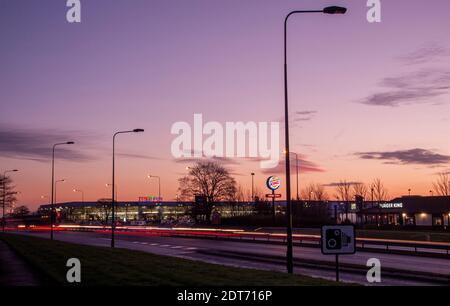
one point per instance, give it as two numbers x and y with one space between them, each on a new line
209 179
360 189
319 193
343 191
442 184
7 192
344 194
380 192
307 193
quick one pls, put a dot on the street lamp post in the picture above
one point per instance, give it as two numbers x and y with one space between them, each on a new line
4 197
159 184
253 187
56 184
289 255
82 194
114 182
116 190
52 208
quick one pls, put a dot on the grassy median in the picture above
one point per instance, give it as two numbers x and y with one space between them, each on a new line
121 267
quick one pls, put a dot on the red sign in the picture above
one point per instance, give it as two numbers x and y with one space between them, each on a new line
269 195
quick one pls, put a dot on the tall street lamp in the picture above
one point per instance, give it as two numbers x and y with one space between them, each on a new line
52 205
113 217
117 189
159 184
56 184
253 188
4 197
289 253
82 194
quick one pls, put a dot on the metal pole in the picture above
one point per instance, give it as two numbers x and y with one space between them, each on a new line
4 202
337 267
159 188
52 205
113 195
274 209
253 190
289 251
296 168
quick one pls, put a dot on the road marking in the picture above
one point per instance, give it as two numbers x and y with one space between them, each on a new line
177 247
191 248
135 241
154 243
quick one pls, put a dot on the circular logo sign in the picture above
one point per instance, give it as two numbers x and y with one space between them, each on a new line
273 182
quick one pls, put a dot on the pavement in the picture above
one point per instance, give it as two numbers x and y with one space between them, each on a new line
14 271
220 252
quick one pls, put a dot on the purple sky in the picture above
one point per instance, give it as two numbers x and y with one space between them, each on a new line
367 100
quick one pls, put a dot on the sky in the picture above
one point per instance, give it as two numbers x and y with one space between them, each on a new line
367 100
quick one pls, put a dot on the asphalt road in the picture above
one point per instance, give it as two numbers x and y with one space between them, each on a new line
215 251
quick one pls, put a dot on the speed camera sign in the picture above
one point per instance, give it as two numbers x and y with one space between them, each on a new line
338 239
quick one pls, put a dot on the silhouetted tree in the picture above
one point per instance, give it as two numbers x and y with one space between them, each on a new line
21 211
442 184
209 179
380 193
7 192
344 194
319 192
360 189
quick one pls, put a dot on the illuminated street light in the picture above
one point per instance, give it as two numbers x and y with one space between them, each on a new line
52 209
289 251
113 211
82 194
159 184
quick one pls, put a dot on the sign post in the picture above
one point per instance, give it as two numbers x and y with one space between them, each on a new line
337 240
273 183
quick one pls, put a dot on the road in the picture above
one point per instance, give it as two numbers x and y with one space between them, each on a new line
221 252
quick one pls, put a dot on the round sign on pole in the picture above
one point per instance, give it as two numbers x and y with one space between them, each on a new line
273 183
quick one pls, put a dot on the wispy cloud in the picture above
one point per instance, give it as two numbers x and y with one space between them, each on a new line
412 88
36 145
138 156
335 184
304 165
422 85
406 157
304 115
426 53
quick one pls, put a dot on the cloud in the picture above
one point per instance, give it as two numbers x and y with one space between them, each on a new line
303 166
335 184
304 115
139 156
426 53
421 85
405 157
36 145
412 88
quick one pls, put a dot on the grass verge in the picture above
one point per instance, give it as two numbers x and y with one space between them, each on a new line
101 266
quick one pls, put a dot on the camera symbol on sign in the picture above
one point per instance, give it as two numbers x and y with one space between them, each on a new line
336 239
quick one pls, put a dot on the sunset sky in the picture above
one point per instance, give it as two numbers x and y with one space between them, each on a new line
367 100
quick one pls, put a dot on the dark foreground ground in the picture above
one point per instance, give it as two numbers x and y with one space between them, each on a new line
104 266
